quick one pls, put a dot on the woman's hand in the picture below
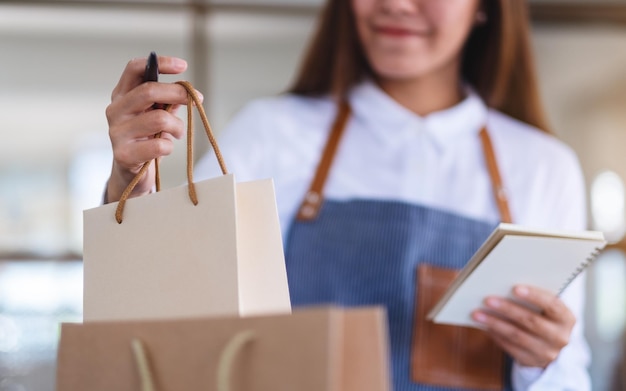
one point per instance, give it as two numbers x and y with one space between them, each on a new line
532 338
133 123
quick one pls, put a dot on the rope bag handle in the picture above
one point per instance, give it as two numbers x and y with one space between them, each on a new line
192 100
224 367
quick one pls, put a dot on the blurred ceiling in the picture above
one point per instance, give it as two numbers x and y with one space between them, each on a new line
60 63
60 60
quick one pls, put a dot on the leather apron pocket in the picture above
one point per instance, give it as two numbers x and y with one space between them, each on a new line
450 356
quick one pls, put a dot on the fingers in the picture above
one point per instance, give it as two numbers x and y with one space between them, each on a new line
130 138
145 125
533 327
526 347
551 306
143 151
528 319
142 98
133 73
540 358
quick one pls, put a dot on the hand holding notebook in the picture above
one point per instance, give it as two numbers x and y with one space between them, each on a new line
516 255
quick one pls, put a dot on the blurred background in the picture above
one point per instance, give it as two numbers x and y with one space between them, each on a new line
59 61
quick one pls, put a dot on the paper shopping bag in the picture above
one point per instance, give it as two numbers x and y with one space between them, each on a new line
311 350
203 249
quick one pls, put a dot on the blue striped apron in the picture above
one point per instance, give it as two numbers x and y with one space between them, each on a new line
366 252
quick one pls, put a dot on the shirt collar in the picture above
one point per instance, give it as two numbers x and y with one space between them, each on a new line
388 119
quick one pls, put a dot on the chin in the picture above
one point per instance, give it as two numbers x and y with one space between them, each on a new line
412 67
402 71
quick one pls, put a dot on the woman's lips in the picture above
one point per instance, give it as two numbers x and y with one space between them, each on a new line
398 31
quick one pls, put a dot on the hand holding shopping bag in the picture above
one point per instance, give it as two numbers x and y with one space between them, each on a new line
203 249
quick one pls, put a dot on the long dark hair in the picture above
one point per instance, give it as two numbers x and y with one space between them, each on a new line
497 59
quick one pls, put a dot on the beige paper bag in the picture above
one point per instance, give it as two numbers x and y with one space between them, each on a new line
171 258
311 350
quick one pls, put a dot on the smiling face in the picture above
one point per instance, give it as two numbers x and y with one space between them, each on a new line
411 39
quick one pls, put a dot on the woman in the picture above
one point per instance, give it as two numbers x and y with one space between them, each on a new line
390 156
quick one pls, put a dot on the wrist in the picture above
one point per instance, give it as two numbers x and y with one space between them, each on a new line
119 181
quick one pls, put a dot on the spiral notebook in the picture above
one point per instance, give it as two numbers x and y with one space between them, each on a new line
514 255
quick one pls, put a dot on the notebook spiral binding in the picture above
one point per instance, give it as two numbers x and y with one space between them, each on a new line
592 257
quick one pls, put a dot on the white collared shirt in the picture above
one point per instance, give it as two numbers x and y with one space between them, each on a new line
389 153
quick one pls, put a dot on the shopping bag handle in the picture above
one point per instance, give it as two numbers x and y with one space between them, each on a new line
227 358
143 366
192 100
224 366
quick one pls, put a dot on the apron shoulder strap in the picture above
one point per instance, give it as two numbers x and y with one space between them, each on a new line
313 199
498 188
310 206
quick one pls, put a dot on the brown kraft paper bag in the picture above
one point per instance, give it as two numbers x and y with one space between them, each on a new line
310 350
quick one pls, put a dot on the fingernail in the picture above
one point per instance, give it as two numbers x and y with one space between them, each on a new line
200 95
493 302
521 291
180 63
479 316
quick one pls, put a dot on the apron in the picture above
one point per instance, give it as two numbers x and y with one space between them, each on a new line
401 256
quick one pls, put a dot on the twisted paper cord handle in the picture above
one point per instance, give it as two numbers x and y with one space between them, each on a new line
141 359
224 366
228 357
